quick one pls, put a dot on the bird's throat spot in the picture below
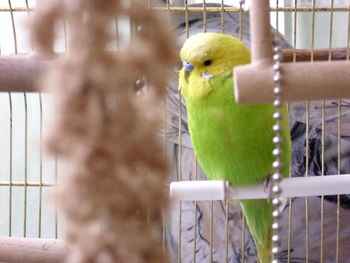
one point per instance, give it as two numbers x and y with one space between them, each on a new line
206 76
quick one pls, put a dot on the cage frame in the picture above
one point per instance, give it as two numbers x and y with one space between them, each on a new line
26 70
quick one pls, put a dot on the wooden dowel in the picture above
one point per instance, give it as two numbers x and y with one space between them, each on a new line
31 250
20 73
300 81
260 32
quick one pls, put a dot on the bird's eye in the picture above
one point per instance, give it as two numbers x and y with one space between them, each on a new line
207 62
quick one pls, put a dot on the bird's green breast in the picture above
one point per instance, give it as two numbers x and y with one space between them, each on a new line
233 141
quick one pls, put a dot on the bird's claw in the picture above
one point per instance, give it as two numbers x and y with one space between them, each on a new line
268 188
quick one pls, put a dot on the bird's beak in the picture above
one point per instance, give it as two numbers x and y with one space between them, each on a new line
187 66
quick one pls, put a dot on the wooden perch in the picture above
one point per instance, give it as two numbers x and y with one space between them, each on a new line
32 250
300 81
20 73
318 54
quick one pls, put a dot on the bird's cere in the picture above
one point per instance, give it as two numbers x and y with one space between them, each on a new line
206 76
187 66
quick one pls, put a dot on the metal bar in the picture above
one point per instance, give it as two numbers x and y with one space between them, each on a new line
322 215
211 230
235 9
313 19
10 183
16 9
25 212
187 24
13 27
10 162
307 152
55 110
222 17
227 211
290 208
243 237
338 171
322 174
214 9
241 20
31 250
204 16
292 187
243 223
195 215
164 141
339 150
179 156
277 22
307 133
40 165
28 14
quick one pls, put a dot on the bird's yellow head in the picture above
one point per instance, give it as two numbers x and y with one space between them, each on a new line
207 56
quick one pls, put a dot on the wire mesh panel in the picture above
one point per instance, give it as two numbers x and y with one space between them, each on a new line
313 229
26 173
312 225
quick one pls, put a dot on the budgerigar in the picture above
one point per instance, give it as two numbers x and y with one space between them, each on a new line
231 141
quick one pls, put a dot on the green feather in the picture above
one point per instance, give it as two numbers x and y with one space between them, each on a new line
232 141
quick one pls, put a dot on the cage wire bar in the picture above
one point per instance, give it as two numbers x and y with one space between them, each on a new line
19 73
216 9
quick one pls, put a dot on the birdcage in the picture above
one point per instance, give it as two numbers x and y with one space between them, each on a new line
314 228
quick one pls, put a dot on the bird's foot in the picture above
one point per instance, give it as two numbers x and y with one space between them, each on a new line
268 188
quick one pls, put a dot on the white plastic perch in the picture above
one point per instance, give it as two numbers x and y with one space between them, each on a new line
291 187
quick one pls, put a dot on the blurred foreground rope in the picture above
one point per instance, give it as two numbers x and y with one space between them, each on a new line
112 191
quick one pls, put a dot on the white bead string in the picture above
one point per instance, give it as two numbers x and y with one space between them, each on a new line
277 153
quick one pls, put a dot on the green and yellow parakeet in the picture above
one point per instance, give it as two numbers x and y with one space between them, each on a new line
231 141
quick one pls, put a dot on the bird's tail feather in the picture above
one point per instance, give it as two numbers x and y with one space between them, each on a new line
264 253
258 215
